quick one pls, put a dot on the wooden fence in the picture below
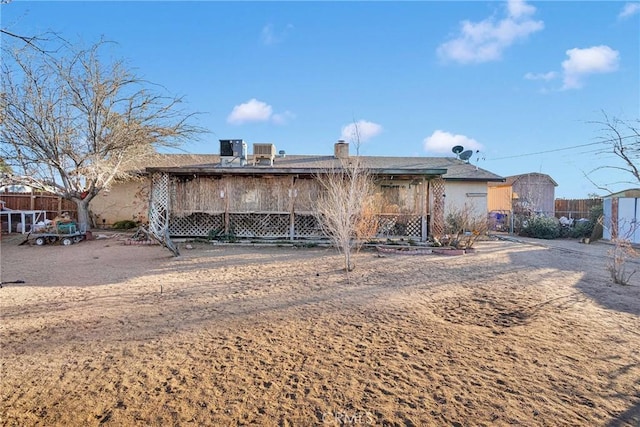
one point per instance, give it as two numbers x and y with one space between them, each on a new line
37 201
575 208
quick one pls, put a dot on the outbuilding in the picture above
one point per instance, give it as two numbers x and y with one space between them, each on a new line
621 213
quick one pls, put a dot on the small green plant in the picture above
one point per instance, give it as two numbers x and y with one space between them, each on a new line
125 224
220 235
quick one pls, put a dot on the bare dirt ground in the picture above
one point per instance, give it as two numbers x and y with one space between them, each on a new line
529 333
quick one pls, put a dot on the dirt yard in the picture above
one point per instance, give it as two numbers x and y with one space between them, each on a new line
520 333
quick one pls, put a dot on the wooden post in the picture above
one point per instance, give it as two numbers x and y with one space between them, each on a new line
423 210
292 218
226 206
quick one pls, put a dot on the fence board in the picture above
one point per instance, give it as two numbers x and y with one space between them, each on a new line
36 201
575 208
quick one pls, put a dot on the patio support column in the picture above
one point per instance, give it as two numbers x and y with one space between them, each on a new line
159 211
424 201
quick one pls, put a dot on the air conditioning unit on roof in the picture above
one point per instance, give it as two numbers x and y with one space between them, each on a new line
233 152
262 152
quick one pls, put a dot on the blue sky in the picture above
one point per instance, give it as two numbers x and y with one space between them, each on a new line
522 82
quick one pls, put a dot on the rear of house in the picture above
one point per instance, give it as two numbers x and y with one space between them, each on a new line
273 195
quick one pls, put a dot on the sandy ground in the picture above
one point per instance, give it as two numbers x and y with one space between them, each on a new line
527 333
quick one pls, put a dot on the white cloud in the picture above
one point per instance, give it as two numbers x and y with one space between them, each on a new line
518 8
360 131
486 40
582 62
257 111
441 142
629 10
541 76
270 36
282 118
251 111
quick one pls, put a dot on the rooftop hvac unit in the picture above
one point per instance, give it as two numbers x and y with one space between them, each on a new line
233 148
264 152
233 152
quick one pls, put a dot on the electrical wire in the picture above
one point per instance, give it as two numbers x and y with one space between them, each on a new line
563 149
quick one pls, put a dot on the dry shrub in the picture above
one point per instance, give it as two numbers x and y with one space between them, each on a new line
464 226
617 265
343 208
368 222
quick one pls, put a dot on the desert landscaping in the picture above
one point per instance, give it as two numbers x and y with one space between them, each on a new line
522 332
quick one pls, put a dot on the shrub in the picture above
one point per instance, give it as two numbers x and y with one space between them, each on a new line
617 265
541 227
464 226
125 224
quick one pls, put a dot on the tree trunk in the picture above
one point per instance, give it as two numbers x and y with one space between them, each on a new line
84 221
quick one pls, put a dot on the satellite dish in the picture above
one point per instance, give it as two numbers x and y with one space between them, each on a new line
457 149
466 155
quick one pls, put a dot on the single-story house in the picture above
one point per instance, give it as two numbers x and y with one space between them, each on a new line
272 195
621 212
525 193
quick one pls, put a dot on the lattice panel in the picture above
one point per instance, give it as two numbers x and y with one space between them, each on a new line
198 224
159 203
437 209
159 211
399 226
259 225
307 226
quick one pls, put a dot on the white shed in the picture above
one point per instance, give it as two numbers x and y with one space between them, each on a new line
622 215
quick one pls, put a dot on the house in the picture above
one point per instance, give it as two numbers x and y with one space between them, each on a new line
621 213
525 193
269 195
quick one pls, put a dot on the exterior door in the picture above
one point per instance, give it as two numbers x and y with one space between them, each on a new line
628 221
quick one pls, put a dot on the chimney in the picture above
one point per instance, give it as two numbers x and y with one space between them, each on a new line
341 150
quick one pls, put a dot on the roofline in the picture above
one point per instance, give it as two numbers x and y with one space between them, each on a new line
518 177
475 179
248 170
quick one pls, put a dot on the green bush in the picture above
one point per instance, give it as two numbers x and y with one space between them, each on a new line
125 224
582 229
541 227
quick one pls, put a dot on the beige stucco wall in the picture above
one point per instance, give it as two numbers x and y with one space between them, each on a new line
459 194
125 200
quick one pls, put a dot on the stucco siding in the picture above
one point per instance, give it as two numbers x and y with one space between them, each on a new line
461 194
125 200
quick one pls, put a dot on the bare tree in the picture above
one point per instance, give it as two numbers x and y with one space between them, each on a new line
621 138
36 42
73 122
342 207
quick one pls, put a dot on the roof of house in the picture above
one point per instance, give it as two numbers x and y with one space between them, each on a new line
510 180
631 193
449 168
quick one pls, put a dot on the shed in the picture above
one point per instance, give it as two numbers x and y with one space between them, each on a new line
621 213
525 193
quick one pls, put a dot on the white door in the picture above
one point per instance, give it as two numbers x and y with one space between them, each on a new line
628 225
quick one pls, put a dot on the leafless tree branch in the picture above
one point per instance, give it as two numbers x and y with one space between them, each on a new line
73 123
